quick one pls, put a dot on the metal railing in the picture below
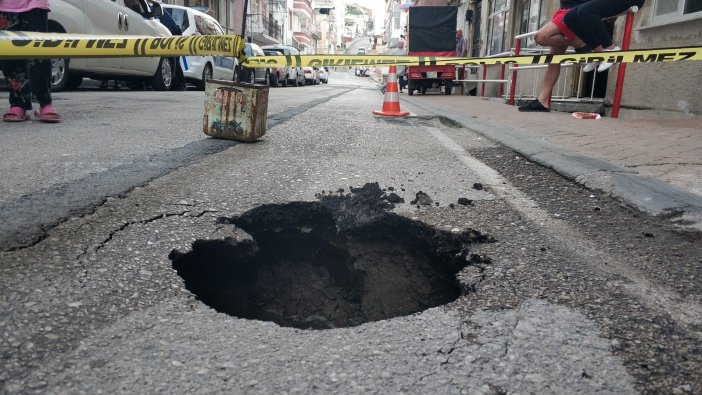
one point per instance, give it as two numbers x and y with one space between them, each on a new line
621 70
261 24
562 83
484 80
559 85
512 81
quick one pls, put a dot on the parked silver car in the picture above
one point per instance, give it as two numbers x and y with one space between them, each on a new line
109 17
293 75
254 75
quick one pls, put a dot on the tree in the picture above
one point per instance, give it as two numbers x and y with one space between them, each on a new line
353 10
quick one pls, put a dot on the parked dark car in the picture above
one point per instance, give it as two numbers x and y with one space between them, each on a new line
254 75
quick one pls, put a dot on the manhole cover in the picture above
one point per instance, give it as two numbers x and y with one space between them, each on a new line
339 262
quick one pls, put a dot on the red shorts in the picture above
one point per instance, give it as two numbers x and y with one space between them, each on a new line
558 21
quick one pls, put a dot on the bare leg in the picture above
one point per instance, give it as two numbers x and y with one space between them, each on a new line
550 36
553 71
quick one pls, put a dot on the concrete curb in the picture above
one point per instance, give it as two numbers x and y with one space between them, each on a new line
646 194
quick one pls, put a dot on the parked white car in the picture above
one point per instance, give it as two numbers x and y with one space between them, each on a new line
323 73
109 17
311 75
197 69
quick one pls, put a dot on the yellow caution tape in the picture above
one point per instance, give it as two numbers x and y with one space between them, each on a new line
26 45
631 56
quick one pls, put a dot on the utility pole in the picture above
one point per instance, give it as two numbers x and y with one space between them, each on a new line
243 23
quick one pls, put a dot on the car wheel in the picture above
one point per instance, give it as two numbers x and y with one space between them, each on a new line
59 74
274 79
206 75
163 79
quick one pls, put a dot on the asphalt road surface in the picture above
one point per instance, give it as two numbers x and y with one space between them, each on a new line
561 289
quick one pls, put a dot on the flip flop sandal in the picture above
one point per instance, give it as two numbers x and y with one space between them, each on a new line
15 114
47 114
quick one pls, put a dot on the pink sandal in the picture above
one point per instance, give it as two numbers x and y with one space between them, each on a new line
15 114
47 114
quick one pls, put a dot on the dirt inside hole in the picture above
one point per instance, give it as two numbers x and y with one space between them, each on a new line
339 262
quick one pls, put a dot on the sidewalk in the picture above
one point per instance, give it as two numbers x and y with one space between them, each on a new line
653 165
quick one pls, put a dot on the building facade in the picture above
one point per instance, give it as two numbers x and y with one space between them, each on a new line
304 31
325 21
490 27
265 21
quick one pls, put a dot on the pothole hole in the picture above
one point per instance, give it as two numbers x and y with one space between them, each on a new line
339 262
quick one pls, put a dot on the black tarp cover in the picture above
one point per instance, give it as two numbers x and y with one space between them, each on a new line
432 29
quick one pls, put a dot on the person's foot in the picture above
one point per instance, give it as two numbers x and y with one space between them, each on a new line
590 66
534 106
604 66
15 114
47 113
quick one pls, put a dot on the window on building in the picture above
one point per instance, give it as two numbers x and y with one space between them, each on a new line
532 15
498 21
672 10
396 16
253 7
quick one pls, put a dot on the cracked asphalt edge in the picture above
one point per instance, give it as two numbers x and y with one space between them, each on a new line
25 220
646 194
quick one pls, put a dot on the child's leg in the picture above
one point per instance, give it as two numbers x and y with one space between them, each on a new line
39 70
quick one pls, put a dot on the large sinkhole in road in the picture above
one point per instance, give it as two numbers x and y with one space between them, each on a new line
339 262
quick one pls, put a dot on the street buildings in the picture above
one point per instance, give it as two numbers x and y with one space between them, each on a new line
490 27
307 25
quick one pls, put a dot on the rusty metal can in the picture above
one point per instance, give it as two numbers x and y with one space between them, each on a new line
235 111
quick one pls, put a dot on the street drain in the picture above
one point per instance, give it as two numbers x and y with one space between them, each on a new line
339 262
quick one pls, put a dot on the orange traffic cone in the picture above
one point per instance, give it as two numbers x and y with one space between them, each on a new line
391 103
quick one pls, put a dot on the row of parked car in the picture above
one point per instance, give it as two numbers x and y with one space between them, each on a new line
151 18
282 76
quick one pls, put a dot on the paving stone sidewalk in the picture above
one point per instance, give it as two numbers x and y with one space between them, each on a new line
644 162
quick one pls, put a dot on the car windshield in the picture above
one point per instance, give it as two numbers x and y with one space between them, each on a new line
285 51
180 17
